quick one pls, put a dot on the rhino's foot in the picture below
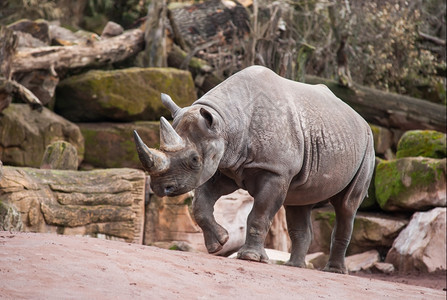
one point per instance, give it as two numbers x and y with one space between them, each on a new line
335 269
253 254
215 240
296 264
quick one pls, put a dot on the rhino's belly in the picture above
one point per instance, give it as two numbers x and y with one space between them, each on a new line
317 189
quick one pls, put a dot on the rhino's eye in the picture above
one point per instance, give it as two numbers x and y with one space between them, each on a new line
195 161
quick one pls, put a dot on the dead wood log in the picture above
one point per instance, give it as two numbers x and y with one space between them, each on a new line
108 202
93 54
204 78
388 109
11 88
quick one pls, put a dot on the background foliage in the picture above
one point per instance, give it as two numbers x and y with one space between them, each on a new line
384 46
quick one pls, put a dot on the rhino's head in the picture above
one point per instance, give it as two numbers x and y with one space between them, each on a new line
189 154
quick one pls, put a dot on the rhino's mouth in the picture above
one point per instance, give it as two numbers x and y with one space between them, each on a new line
170 190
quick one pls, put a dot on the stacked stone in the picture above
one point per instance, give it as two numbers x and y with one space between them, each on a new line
404 216
67 164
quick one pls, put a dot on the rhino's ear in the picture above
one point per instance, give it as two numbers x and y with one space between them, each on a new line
209 119
169 104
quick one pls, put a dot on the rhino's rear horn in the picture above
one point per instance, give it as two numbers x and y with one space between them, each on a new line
169 104
153 161
169 138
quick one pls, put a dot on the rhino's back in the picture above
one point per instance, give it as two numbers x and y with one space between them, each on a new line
295 129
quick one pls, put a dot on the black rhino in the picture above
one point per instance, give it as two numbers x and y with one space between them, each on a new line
286 143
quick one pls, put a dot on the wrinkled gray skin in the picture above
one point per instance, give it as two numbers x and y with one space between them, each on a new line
286 143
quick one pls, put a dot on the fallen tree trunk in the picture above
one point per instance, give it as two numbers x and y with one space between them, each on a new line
58 58
388 109
108 202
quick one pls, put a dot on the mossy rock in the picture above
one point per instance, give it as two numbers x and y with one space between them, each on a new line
426 143
25 133
370 231
123 95
411 183
60 155
111 145
375 231
323 220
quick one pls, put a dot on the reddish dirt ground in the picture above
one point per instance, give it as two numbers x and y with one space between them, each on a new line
436 280
44 266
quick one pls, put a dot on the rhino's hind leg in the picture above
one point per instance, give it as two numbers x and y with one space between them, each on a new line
345 205
299 226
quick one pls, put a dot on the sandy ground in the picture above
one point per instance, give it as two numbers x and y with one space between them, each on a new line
44 266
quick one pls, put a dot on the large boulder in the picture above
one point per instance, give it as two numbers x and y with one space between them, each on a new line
168 224
231 212
421 246
123 95
25 133
427 143
371 231
111 145
375 231
411 183
102 203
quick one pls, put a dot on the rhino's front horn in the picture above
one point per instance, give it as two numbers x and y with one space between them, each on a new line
169 139
153 161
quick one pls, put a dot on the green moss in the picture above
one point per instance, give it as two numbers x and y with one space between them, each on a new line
114 89
130 149
387 182
396 180
326 215
427 143
123 95
90 138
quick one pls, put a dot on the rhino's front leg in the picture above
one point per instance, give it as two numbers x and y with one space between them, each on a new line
269 192
203 207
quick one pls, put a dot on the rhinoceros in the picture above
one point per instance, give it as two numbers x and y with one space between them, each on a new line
286 143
